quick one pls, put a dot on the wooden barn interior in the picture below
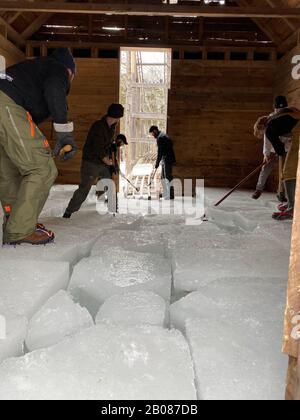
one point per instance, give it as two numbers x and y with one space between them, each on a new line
228 62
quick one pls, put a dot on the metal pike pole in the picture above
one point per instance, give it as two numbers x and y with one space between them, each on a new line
129 182
240 184
150 183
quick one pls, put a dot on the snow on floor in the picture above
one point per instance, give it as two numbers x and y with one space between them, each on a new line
182 311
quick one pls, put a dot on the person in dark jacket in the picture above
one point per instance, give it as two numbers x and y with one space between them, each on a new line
96 160
120 141
30 93
165 157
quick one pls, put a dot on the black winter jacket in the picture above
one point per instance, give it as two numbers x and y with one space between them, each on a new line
40 86
280 124
165 150
99 141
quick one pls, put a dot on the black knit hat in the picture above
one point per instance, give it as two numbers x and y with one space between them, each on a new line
280 102
65 57
153 128
115 111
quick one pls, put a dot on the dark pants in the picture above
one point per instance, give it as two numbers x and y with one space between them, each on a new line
167 171
90 173
167 178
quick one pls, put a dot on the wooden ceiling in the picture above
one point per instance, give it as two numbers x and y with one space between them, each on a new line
59 20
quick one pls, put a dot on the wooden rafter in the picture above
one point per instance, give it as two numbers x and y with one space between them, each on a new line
151 10
9 47
12 33
14 17
287 21
36 24
261 25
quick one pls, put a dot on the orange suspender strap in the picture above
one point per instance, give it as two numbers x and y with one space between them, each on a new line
32 128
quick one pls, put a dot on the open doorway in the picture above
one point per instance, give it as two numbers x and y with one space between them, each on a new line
145 78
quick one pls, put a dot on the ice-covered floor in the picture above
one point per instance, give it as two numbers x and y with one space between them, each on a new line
146 306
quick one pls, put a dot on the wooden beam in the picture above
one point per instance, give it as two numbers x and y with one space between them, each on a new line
288 22
12 33
151 10
11 49
151 44
261 25
201 30
36 24
14 17
3 30
290 42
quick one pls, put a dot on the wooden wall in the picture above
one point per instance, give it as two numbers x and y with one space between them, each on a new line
284 83
212 109
95 87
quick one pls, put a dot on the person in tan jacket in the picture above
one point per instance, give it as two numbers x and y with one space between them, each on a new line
271 160
278 125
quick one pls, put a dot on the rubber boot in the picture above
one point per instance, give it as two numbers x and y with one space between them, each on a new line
290 188
67 215
281 197
288 213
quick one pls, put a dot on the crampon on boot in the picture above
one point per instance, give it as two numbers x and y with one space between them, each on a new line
40 236
284 215
42 227
282 207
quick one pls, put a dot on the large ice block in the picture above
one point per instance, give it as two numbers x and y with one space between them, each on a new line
57 251
246 303
207 237
59 318
194 267
138 241
104 363
134 308
12 335
228 368
116 272
26 285
194 306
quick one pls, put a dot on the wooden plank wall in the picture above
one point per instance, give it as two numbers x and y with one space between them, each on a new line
212 109
213 106
95 87
286 85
